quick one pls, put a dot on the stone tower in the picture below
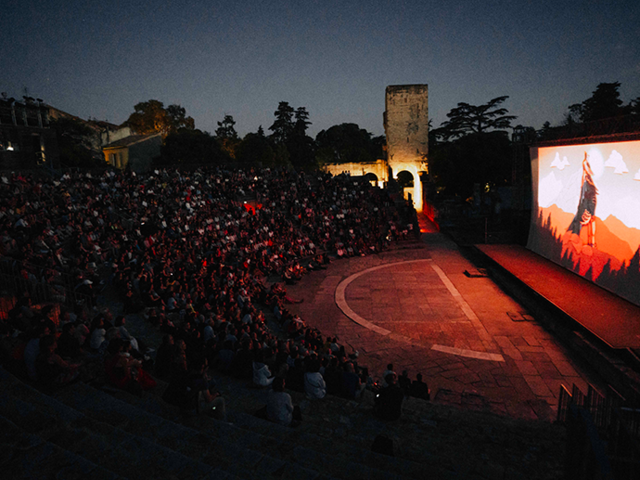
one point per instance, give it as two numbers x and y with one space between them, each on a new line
406 126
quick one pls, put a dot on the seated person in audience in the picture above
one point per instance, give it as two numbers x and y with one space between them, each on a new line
314 384
124 333
280 408
404 382
261 374
164 356
32 350
388 402
225 357
193 390
199 380
419 389
125 372
387 372
242 365
98 333
51 370
333 377
295 376
7 348
351 384
68 344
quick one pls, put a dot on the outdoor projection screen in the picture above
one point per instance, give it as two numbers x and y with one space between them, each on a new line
586 214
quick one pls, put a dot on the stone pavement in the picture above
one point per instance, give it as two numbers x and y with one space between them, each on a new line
415 307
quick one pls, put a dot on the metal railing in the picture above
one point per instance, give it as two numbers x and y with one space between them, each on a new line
603 434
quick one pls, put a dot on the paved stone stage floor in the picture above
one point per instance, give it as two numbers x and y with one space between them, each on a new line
415 307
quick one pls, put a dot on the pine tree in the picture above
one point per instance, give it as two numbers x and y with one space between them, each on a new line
283 125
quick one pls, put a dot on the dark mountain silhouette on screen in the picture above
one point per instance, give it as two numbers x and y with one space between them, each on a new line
612 264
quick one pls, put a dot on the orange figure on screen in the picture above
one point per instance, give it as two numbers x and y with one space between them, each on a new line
585 216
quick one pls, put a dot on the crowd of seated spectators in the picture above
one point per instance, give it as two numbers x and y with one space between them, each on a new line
193 252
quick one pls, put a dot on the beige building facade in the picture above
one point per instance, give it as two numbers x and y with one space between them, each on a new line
379 169
135 151
406 126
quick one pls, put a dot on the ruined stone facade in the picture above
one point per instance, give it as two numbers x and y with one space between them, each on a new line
406 126
378 168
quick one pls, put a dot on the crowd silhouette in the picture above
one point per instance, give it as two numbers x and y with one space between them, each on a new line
202 255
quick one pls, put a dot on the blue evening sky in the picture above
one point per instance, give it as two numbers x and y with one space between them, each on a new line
99 58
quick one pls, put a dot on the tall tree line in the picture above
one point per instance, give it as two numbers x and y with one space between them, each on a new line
288 143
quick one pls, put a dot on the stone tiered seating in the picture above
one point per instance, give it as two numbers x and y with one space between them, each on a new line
25 455
89 430
83 429
248 441
84 441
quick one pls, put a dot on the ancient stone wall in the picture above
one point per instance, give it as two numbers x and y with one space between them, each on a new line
406 125
378 168
406 122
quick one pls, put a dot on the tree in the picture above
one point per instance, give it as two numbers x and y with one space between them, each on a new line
302 121
466 119
177 118
191 147
474 148
347 143
603 103
483 159
255 149
601 114
151 117
227 136
575 114
226 128
301 147
283 125
74 143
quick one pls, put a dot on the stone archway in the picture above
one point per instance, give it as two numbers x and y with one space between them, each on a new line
410 168
405 179
372 178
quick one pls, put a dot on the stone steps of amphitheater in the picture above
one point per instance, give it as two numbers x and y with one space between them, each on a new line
25 455
128 436
81 439
93 430
336 435
246 439
333 441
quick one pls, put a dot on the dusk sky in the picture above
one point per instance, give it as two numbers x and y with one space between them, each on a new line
99 58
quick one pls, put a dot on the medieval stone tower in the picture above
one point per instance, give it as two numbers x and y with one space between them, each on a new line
406 125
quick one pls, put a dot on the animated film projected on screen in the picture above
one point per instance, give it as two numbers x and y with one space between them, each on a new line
587 216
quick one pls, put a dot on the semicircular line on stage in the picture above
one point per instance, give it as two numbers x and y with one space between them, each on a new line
341 302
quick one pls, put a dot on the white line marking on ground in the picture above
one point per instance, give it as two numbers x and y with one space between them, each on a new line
341 301
463 352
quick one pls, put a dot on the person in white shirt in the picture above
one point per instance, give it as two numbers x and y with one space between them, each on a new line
314 385
279 404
